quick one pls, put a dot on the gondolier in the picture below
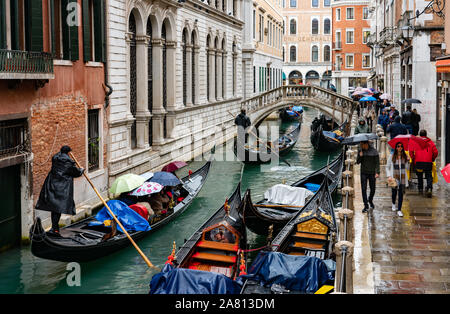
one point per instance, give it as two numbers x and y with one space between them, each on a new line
57 191
243 122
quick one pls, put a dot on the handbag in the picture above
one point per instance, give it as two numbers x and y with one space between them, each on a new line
392 182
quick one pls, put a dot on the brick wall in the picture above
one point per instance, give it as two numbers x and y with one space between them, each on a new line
56 122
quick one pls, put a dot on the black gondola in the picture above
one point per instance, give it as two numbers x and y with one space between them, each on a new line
217 244
283 145
258 219
311 232
286 117
81 242
324 143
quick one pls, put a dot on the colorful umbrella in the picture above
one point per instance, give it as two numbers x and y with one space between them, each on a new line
175 165
126 183
446 173
368 98
410 142
165 178
386 96
146 189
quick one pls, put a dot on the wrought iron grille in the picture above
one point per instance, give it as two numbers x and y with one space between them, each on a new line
150 80
14 61
93 140
13 137
133 78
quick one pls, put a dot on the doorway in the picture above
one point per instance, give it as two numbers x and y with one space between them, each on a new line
10 208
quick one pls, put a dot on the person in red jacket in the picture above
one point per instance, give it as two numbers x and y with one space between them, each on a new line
423 160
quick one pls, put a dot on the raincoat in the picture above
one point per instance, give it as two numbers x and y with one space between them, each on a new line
57 191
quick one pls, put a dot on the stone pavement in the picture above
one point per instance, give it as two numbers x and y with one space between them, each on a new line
409 254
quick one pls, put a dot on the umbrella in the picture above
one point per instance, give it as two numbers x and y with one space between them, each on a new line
446 173
411 101
368 98
407 140
386 96
147 175
360 137
146 189
175 165
165 178
359 92
126 183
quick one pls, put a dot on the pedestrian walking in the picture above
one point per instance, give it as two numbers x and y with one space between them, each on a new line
396 169
362 126
57 191
415 119
393 113
423 163
369 115
383 120
407 118
369 159
396 128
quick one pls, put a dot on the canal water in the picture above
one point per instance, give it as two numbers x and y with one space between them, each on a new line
125 271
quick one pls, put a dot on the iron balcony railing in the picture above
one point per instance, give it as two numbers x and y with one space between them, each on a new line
17 61
337 45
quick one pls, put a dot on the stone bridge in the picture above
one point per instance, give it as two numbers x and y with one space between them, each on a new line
328 102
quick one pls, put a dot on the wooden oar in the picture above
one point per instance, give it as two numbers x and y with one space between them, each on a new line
287 206
282 159
114 216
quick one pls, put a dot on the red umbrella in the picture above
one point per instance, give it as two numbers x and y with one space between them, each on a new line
174 166
446 173
410 142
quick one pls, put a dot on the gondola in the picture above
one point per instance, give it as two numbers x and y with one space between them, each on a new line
259 219
83 242
217 247
287 116
324 143
306 241
283 145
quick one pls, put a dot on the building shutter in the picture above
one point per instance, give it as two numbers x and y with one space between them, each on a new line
99 29
35 27
74 55
2 24
52 27
87 49
65 30
14 9
69 21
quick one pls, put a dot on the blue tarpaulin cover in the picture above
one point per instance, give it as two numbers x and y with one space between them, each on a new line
305 274
333 135
190 281
313 187
130 219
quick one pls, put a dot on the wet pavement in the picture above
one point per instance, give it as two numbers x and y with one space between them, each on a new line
409 254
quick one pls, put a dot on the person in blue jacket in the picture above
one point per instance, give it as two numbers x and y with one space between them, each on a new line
383 119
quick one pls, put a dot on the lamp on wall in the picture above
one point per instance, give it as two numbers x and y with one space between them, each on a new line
407 33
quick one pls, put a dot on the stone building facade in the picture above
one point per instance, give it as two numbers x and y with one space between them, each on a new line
175 70
307 42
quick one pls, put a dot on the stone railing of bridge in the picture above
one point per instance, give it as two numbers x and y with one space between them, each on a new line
336 105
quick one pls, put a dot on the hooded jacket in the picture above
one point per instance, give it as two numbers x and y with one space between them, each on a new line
397 128
427 155
362 128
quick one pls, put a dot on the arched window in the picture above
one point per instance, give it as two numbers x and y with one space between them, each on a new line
208 41
326 53
216 70
133 77
315 26
150 80
315 54
194 68
326 26
293 27
164 75
224 67
184 43
293 54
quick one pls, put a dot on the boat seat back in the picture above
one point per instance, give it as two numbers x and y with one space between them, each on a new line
140 209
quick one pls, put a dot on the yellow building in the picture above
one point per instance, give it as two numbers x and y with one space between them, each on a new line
307 41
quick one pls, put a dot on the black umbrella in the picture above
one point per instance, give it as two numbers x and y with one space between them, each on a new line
358 138
411 101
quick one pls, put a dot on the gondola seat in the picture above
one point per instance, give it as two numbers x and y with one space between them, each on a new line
218 246
215 257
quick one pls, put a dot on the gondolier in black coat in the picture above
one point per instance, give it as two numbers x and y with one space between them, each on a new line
57 191
242 121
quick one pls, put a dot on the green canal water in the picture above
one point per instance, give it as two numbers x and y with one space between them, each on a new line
125 271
